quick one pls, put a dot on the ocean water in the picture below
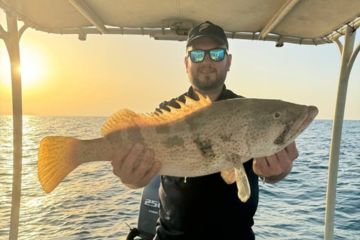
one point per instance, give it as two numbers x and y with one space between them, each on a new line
93 204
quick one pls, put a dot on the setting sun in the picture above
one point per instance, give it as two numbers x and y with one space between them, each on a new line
33 68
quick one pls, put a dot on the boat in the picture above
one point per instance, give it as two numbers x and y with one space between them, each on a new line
283 22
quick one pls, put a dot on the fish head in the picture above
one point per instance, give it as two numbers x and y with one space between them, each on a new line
275 124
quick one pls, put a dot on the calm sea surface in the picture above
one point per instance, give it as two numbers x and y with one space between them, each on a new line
92 203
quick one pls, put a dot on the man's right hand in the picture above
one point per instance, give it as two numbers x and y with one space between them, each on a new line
136 167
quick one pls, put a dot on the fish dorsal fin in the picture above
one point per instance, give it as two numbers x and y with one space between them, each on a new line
126 118
122 119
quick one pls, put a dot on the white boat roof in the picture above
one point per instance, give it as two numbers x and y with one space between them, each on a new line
294 21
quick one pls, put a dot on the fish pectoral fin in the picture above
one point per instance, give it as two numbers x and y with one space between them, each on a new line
242 183
228 175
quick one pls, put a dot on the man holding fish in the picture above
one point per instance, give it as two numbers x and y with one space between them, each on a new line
204 207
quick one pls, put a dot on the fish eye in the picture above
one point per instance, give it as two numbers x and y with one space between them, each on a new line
276 115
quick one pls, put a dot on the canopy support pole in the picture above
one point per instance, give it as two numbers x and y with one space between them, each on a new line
11 38
278 17
89 14
346 65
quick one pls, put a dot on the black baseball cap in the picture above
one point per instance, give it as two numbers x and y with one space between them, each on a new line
207 29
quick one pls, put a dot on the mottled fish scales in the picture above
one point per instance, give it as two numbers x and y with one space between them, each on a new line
199 138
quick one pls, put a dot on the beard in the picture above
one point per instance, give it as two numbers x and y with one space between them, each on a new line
207 79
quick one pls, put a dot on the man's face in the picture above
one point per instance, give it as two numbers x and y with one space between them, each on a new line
207 75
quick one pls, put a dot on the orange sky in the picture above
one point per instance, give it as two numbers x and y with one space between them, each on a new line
66 76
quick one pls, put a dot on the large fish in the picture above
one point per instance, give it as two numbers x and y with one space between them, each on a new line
199 138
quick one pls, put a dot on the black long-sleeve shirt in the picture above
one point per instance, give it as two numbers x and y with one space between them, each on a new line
205 207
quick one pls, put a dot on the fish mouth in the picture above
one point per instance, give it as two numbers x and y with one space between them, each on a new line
311 113
297 127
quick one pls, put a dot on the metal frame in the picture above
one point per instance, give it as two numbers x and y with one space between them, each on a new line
278 17
11 38
89 14
348 58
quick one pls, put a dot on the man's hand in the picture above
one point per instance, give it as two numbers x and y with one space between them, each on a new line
137 167
276 167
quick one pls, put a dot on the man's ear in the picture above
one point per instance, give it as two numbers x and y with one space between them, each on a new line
186 63
228 61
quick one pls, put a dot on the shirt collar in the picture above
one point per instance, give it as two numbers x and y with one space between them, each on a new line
191 93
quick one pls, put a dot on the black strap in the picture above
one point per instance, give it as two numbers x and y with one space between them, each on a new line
134 232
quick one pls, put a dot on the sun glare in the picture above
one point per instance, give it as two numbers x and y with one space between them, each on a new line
33 68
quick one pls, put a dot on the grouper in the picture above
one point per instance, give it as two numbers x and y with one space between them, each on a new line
200 137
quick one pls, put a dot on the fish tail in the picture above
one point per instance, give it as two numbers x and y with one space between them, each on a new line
56 159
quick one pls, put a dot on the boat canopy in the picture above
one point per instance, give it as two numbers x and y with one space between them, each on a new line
295 21
306 22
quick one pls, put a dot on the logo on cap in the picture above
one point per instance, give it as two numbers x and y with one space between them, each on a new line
204 26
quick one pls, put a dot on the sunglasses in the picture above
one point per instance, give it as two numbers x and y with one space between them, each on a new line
215 54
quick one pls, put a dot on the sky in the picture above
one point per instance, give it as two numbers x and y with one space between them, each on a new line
64 76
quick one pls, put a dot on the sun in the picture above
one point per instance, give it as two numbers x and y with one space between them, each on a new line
32 67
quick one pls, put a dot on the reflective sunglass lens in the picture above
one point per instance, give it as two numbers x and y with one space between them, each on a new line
197 55
217 54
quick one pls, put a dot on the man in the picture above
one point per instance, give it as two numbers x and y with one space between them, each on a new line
204 207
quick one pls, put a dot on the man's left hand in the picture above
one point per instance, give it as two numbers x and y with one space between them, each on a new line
275 167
